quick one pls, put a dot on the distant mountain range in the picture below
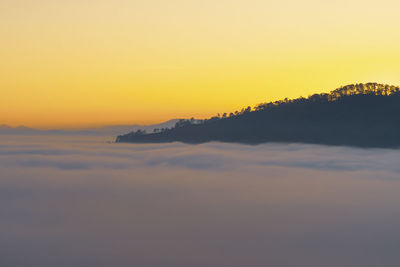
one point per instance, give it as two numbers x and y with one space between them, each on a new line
362 115
103 131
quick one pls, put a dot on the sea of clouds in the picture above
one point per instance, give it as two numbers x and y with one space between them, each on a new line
82 202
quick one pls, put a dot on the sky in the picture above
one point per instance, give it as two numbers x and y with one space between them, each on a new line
67 64
78 201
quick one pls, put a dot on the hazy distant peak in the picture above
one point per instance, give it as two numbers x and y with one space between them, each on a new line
110 130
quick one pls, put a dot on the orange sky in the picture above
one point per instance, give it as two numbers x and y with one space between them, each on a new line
84 63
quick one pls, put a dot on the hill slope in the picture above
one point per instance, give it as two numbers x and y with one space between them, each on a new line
364 115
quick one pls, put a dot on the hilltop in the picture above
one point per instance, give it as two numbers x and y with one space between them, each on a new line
363 115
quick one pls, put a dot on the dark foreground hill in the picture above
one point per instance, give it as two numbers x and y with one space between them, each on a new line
363 115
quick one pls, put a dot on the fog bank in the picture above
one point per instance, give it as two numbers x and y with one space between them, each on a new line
84 202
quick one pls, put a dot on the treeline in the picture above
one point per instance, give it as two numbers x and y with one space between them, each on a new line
348 90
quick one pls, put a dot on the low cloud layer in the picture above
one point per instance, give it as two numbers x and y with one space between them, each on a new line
84 202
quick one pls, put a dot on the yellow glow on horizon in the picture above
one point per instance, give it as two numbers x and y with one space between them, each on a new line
76 63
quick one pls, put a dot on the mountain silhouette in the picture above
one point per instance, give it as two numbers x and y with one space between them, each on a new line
361 115
109 131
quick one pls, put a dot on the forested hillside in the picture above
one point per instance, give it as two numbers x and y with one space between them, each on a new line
365 115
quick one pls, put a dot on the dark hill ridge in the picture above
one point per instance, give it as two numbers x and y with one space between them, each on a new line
363 115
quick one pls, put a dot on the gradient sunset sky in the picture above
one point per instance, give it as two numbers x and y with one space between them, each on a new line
97 62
